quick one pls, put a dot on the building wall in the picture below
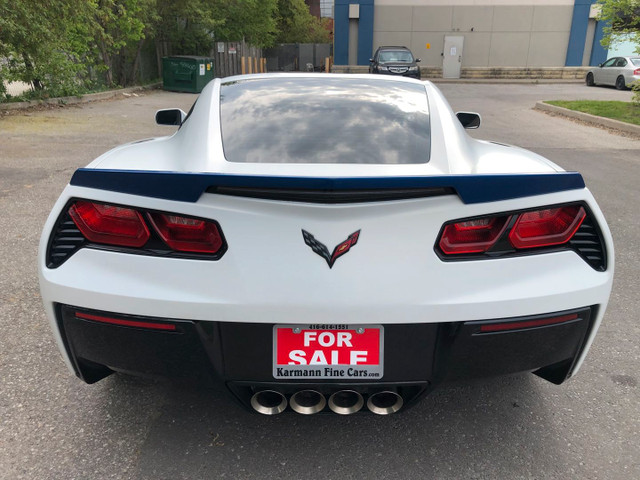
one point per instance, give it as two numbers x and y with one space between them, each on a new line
498 33
528 34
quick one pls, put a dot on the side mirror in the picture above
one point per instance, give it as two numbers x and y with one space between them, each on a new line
371 60
170 116
600 65
418 60
469 119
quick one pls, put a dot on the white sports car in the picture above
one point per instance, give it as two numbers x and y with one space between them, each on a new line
324 243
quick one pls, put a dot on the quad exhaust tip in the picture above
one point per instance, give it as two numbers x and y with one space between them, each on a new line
346 402
307 402
269 402
384 403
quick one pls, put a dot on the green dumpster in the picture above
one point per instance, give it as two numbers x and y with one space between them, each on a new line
186 73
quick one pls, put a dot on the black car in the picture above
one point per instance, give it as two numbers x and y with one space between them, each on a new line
395 61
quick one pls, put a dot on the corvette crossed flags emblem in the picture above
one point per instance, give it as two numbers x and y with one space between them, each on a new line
322 250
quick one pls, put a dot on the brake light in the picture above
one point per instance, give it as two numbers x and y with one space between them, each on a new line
472 236
636 71
109 224
186 234
543 228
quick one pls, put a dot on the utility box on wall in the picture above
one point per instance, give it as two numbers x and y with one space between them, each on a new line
186 73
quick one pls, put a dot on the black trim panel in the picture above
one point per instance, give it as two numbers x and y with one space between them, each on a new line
416 356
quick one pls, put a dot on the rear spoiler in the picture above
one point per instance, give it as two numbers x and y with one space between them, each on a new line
189 187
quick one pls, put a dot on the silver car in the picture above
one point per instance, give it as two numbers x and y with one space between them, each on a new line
618 71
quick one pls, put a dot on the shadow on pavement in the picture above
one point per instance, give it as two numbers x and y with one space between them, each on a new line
467 430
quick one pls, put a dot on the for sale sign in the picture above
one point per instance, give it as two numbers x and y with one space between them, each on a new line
342 352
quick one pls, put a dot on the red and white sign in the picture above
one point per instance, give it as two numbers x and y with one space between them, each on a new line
303 351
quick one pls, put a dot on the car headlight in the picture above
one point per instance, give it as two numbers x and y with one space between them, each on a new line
383 69
413 69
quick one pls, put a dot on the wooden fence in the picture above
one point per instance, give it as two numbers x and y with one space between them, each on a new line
238 58
235 58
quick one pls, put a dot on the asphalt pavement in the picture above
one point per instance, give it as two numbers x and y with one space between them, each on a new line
53 426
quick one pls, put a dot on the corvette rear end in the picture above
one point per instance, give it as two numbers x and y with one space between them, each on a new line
350 279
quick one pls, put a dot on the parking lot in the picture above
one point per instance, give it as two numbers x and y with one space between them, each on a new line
53 426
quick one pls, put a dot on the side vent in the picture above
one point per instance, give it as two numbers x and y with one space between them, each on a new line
588 243
65 240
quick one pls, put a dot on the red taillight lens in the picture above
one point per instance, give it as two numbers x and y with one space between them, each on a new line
542 228
187 234
472 236
109 224
636 71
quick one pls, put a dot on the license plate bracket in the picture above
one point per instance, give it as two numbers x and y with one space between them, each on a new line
339 352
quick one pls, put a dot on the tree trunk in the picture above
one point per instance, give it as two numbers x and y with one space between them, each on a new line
122 68
106 59
136 62
37 84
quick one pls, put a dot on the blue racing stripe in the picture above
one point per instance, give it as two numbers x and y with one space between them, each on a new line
188 187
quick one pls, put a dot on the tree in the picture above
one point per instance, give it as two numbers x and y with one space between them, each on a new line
622 19
251 20
116 25
43 43
297 25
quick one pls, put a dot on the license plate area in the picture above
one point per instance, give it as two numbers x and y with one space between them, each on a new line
328 352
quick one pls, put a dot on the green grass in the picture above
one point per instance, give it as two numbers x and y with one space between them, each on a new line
622 111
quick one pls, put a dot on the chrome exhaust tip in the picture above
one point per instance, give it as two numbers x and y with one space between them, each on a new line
307 402
384 403
269 402
346 402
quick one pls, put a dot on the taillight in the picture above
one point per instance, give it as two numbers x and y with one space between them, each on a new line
109 224
500 234
636 71
543 228
472 236
186 234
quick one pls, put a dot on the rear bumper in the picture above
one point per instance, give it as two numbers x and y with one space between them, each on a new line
417 357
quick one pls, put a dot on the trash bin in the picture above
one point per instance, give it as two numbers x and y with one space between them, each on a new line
186 73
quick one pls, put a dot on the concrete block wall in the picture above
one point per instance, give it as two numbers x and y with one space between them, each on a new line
533 33
505 73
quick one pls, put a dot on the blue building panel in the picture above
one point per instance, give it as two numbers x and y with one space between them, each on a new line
598 53
578 34
341 31
365 32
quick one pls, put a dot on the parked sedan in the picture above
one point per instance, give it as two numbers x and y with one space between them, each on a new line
395 61
620 72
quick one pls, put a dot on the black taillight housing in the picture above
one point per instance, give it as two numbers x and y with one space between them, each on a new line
98 225
523 232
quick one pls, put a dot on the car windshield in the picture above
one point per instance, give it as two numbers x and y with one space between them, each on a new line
395 56
635 61
324 120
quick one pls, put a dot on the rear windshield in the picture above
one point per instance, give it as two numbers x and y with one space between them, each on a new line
635 61
395 56
324 120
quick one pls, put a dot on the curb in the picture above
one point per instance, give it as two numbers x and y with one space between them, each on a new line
87 98
588 118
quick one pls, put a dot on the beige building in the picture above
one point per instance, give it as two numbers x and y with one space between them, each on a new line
495 33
